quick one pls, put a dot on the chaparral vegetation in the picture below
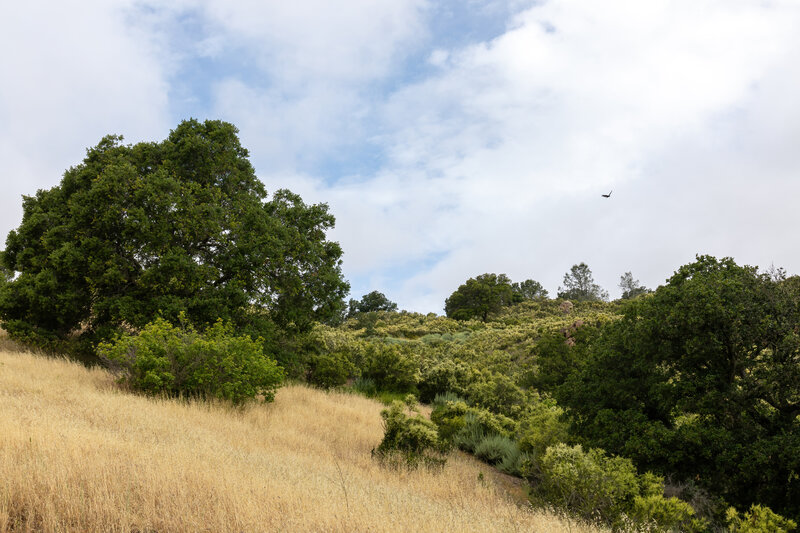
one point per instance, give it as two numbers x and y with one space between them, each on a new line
169 265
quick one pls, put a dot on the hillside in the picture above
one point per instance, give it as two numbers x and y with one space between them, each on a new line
78 454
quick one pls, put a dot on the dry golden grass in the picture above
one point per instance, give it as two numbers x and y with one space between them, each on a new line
78 454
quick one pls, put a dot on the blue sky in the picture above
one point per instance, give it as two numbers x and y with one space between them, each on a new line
449 138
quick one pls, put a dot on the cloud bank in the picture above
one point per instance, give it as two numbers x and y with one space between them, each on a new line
449 138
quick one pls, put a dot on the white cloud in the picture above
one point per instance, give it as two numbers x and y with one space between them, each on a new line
490 157
72 73
524 132
321 41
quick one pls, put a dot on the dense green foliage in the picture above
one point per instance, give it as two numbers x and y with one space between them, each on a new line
700 380
697 381
528 290
479 297
5 274
178 226
526 382
593 484
179 361
579 285
371 303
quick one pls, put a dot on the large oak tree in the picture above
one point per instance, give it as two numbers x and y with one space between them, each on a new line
137 231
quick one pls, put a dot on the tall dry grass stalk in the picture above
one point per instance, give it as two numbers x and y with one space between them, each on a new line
78 454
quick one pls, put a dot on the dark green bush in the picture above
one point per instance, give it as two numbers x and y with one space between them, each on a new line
393 367
449 418
330 370
179 361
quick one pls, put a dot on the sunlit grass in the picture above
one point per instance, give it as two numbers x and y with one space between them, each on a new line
79 454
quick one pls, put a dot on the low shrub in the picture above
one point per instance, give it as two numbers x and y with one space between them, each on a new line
443 398
759 519
591 484
514 464
496 449
365 386
667 514
409 436
448 416
466 426
179 361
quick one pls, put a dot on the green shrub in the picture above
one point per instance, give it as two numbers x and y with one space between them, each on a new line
469 436
542 427
759 519
392 366
409 436
495 449
465 426
330 370
365 386
498 393
435 379
669 514
449 418
443 398
164 359
591 484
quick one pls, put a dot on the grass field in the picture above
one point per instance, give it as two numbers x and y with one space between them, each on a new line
78 454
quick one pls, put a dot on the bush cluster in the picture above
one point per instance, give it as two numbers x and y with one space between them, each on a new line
409 438
179 361
597 486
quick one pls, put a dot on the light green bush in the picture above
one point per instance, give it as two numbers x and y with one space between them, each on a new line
759 519
465 426
667 514
542 427
165 359
591 484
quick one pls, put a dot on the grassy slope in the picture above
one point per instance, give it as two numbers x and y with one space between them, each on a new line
77 454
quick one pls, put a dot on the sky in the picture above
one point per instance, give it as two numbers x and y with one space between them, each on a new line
449 138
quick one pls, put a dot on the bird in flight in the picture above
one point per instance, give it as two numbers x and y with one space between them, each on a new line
607 195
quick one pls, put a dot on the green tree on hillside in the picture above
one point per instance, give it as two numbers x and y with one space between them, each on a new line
528 290
579 285
5 274
370 303
479 297
152 229
631 288
701 381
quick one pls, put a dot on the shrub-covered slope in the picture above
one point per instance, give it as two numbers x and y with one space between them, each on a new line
78 454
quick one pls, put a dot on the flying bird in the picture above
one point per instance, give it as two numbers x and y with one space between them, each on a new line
607 195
